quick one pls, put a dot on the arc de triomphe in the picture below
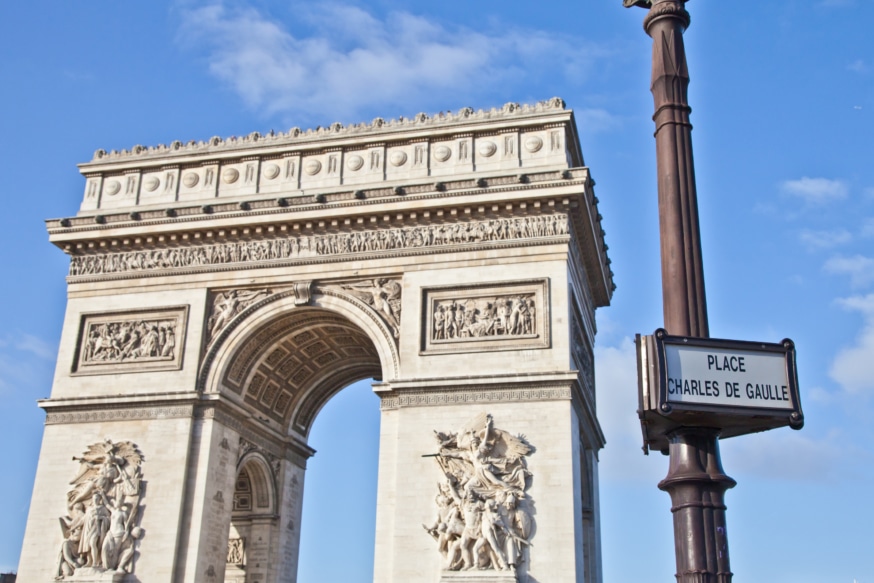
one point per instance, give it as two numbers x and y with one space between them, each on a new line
221 292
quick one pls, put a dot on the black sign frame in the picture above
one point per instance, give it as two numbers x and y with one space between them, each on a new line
659 415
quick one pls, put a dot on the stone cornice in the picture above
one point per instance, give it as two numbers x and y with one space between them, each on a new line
285 166
101 409
325 137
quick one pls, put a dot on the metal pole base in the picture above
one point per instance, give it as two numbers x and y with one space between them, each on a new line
697 483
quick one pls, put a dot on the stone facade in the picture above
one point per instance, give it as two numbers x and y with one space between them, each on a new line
220 293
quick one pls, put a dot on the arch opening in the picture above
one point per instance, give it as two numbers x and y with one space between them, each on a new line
285 370
282 367
339 505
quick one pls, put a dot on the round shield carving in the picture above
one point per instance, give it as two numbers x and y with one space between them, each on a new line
442 153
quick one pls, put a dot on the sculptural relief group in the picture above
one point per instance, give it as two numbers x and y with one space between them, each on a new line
100 528
483 521
129 340
484 317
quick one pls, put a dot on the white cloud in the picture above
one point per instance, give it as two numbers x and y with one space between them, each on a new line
858 267
858 66
616 382
36 346
783 454
815 191
824 239
851 367
591 121
351 60
19 370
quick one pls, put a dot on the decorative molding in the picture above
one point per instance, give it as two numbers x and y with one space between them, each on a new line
119 414
303 293
131 341
270 252
486 317
378 125
675 9
427 398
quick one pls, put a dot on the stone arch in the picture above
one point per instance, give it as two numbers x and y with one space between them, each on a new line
262 483
283 361
254 515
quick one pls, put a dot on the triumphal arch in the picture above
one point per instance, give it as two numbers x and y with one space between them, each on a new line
221 292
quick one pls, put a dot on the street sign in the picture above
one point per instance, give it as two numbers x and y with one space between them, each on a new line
738 387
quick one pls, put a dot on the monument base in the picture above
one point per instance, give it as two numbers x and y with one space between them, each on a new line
478 577
93 575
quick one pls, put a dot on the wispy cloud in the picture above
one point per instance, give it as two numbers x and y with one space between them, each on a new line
785 455
824 239
616 382
18 367
815 191
851 367
36 346
858 66
858 267
350 60
868 228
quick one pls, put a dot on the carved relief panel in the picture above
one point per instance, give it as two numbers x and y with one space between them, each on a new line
135 341
486 317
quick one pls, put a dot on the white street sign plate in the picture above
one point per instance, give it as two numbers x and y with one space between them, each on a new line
736 378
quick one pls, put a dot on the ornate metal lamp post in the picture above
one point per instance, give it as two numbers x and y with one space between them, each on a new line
696 481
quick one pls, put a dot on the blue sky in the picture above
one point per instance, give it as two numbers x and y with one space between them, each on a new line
783 107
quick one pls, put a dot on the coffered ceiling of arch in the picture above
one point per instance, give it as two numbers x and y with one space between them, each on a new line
277 368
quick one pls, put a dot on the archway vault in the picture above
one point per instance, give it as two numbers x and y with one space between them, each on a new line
283 358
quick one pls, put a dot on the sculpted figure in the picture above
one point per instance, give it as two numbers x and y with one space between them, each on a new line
487 544
228 304
235 551
96 525
116 534
384 296
516 525
439 318
68 558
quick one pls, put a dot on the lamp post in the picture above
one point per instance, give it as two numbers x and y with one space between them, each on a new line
696 481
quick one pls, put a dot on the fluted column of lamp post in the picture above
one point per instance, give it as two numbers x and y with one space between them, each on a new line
696 481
